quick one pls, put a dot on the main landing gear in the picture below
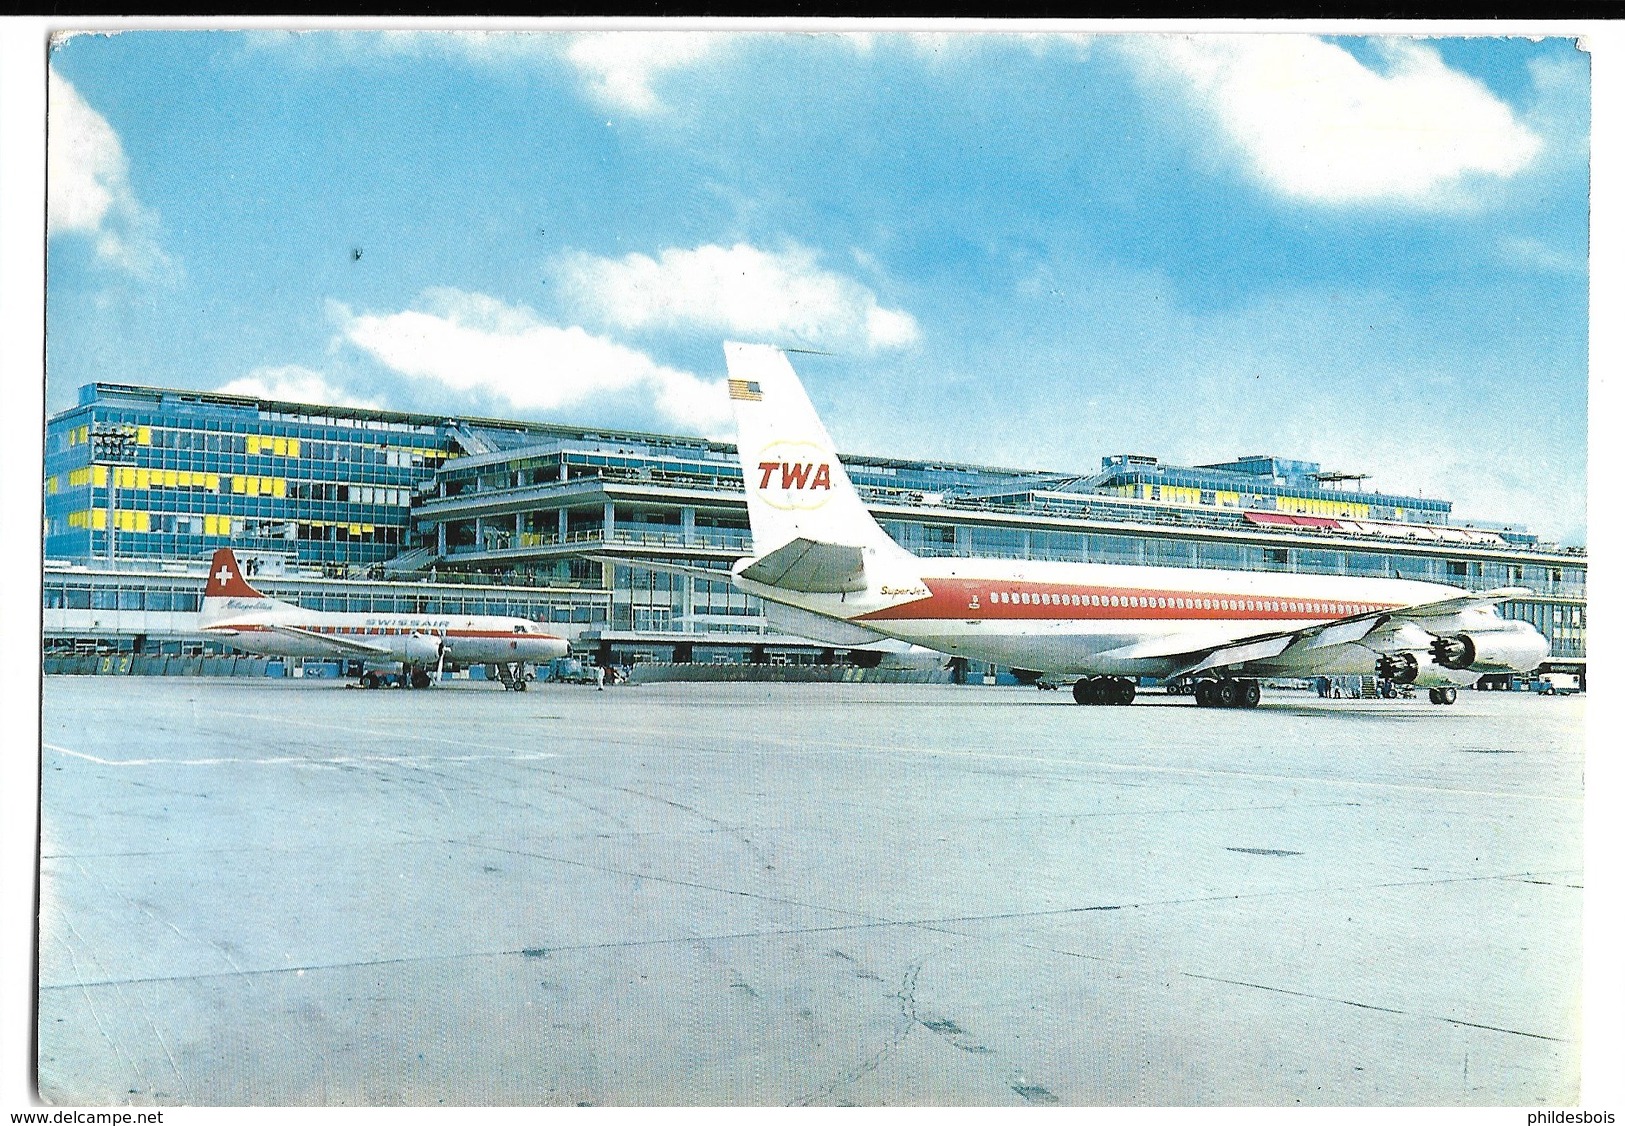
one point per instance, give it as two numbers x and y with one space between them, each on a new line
1104 690
1445 695
1228 693
513 676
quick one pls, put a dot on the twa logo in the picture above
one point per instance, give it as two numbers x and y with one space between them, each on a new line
794 475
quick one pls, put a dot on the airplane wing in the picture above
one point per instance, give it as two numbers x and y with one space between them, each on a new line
1341 631
342 644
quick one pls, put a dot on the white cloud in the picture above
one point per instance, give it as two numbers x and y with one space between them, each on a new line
472 342
1536 254
88 179
740 290
1317 124
620 66
293 384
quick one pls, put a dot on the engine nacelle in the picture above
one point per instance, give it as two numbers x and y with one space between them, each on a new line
423 648
1414 669
1518 647
1401 668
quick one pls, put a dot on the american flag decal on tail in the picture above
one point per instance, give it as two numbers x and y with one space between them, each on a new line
745 389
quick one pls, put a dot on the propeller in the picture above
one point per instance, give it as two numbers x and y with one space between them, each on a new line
440 665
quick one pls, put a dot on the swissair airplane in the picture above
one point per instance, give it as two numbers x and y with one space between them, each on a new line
237 613
820 554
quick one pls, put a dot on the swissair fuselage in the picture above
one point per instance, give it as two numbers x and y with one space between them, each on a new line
235 612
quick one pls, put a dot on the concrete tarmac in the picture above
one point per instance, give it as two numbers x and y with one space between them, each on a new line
297 893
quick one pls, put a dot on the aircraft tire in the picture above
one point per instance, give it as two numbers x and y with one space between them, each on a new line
1123 691
1080 691
1204 694
1225 693
369 680
519 685
1447 695
419 679
1249 695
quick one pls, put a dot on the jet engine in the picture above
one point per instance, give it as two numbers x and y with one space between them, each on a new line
1518 647
423 648
1409 668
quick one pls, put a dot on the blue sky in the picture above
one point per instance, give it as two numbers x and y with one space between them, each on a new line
1022 250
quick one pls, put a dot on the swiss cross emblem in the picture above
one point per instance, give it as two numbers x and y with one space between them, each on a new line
224 575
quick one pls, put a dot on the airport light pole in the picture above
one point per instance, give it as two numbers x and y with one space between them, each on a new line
111 444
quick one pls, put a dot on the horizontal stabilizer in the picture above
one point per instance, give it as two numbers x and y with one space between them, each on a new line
717 574
818 627
811 567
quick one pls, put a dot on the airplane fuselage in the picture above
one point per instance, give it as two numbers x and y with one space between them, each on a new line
1080 618
249 624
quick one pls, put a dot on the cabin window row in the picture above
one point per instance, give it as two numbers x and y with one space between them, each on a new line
1025 598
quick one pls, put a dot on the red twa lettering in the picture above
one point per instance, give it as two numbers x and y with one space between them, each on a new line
795 474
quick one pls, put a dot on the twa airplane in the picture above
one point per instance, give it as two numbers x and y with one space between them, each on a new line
235 612
822 556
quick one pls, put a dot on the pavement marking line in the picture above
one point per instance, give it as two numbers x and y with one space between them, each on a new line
576 948
1377 1008
1294 779
416 736
295 760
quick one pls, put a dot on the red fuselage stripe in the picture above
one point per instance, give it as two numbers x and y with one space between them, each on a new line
1003 600
336 631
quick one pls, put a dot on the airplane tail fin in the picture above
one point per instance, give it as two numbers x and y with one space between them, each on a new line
795 485
225 582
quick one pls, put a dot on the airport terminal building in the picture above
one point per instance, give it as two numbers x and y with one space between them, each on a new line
343 508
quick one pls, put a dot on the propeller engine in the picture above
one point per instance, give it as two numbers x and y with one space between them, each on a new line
424 648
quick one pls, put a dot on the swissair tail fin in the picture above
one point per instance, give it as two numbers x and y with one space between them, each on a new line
226 581
795 485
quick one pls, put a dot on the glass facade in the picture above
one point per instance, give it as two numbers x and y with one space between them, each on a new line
145 473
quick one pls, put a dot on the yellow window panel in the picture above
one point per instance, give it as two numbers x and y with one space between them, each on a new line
143 435
252 444
238 485
293 447
99 475
213 482
172 478
251 486
281 446
279 487
98 518
355 529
